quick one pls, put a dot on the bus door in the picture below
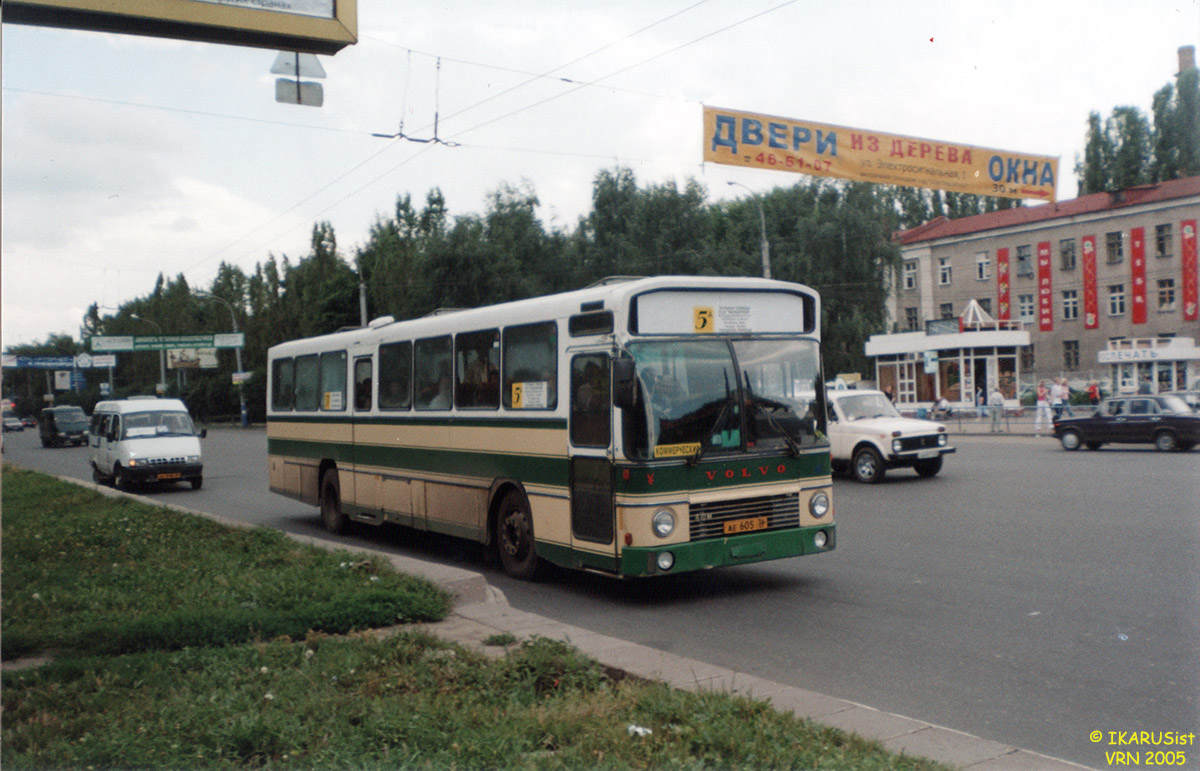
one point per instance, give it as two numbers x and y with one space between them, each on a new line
592 511
366 493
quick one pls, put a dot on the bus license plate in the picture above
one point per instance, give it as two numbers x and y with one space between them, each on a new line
170 475
737 526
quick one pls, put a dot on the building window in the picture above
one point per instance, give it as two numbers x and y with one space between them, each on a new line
985 305
1115 244
944 271
1066 253
911 320
1025 260
1027 358
1070 354
1070 304
910 274
1166 294
1162 241
1116 300
947 310
983 267
1025 307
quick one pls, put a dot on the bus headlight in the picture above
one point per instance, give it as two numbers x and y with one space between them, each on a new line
665 561
663 523
818 505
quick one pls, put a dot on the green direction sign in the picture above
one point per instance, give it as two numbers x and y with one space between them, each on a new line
114 343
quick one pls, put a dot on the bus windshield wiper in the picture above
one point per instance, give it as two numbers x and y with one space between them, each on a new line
757 403
706 437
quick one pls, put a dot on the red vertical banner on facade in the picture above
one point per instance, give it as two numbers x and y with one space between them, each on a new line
1091 298
1045 290
1191 300
1002 286
1137 269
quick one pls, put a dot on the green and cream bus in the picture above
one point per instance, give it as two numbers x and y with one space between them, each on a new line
637 427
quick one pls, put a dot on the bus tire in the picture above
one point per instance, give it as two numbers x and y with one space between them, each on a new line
514 537
331 502
867 466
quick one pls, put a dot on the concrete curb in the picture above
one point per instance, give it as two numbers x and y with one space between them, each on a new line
481 611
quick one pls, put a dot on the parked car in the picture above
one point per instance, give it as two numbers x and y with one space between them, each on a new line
29 421
1165 421
63 425
868 436
145 440
13 424
1191 397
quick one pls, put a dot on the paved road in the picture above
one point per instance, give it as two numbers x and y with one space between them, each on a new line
1026 594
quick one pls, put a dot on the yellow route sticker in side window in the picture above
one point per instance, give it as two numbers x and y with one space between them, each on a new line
676 450
702 319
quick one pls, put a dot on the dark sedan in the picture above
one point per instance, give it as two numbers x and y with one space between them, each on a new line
1164 421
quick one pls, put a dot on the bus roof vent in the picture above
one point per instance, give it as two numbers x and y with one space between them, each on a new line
613 280
443 311
382 321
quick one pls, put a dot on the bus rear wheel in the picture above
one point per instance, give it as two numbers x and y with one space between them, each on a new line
331 502
514 537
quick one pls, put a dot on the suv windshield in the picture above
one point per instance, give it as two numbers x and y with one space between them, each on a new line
70 419
719 396
863 406
142 424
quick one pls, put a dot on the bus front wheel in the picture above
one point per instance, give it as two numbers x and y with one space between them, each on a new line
331 502
514 537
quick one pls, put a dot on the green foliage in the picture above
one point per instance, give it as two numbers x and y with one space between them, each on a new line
1129 150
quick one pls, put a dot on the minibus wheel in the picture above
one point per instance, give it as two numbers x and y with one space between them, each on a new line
514 536
331 502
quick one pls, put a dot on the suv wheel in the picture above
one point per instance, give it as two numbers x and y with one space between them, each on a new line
867 466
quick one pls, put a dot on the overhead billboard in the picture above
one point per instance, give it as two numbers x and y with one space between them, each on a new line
752 140
310 26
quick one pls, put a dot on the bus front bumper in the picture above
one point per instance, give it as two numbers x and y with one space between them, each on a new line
731 550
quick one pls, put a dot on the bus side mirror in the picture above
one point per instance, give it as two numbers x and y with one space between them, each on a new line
625 385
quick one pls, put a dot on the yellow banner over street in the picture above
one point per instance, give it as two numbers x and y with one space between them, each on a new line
784 144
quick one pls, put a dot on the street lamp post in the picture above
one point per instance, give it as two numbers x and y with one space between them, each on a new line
245 414
762 221
162 355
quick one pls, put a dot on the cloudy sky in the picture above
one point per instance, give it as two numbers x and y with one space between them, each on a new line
125 156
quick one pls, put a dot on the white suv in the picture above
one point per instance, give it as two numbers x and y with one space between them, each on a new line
868 436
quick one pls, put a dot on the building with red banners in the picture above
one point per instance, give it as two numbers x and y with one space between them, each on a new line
1100 288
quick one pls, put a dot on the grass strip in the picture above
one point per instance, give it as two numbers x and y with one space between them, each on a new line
87 574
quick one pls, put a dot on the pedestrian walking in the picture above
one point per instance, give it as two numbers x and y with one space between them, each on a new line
1093 392
980 402
1145 387
1060 398
996 405
1042 413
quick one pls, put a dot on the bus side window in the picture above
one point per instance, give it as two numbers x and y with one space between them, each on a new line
395 376
530 378
477 359
308 382
431 373
362 384
333 381
283 384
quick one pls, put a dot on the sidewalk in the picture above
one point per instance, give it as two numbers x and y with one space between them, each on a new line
1013 423
481 611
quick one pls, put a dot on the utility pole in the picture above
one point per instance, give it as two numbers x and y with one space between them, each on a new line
762 221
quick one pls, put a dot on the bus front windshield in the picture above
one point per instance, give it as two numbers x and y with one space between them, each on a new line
717 396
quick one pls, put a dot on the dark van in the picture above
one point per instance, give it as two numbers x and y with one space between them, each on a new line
60 425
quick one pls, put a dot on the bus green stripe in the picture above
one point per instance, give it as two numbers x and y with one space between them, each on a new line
409 419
